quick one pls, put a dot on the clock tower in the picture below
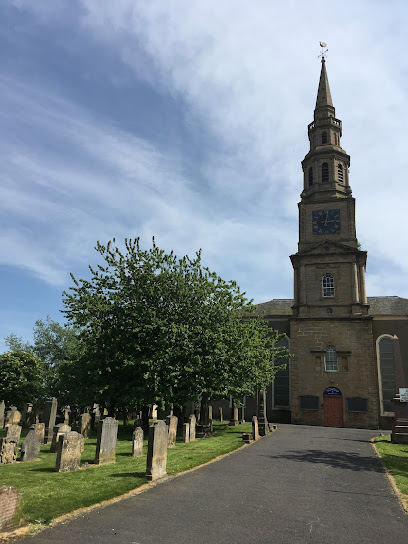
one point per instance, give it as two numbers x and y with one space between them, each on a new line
332 370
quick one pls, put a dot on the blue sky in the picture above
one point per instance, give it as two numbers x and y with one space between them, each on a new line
187 121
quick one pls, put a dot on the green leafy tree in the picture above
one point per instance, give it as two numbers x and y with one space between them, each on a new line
21 378
157 328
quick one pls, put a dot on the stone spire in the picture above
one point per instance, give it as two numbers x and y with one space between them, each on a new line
323 94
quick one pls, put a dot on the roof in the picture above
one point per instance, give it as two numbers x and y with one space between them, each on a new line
378 306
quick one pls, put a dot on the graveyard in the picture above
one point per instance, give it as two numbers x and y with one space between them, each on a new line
48 494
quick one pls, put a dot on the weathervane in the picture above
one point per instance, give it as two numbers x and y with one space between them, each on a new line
324 50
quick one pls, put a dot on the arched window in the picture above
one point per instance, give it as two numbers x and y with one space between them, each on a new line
385 359
281 397
330 360
328 285
340 173
324 137
310 176
325 172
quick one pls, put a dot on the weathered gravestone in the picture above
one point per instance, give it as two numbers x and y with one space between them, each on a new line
39 429
234 416
70 447
9 445
220 414
241 414
192 423
262 415
85 424
57 431
28 416
255 431
2 410
48 418
172 423
157 451
66 412
13 416
30 448
106 443
137 442
186 432
11 503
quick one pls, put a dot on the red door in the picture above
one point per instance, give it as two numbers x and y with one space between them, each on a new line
333 411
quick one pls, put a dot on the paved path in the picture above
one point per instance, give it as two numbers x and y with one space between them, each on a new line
300 485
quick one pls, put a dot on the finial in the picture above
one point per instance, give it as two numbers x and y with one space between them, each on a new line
323 51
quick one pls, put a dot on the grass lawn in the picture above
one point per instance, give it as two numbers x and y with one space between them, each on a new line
395 457
48 494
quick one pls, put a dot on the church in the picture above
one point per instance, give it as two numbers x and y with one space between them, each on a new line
341 372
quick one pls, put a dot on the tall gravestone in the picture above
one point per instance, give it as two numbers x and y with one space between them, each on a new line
70 447
192 424
11 503
220 414
106 443
27 415
30 448
172 423
39 429
234 416
48 418
157 451
263 424
137 442
186 432
2 410
85 424
255 431
57 431
241 414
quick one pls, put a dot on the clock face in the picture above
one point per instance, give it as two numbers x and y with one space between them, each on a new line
326 221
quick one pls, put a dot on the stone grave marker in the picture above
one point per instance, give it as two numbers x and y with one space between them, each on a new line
220 414
241 414
70 447
2 410
11 503
157 451
172 423
13 416
255 430
137 442
27 415
85 424
57 431
186 432
13 432
48 418
39 429
106 443
192 423
66 412
9 445
30 448
234 416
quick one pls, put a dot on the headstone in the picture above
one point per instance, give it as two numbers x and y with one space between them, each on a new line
172 423
8 451
48 417
241 414
247 438
11 503
26 416
234 416
95 416
39 429
137 442
13 416
263 424
220 414
85 424
106 443
58 430
192 423
186 432
13 432
70 447
255 431
2 410
154 411
157 451
66 413
30 448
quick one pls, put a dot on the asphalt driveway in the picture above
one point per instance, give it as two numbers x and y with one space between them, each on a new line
299 485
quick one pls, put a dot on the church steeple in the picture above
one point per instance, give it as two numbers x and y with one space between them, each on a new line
324 98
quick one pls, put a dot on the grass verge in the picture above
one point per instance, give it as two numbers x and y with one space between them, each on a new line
48 494
395 459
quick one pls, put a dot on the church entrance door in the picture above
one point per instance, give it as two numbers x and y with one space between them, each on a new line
333 407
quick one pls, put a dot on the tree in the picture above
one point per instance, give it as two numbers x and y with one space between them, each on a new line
21 377
157 328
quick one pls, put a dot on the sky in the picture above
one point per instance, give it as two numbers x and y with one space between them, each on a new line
187 121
